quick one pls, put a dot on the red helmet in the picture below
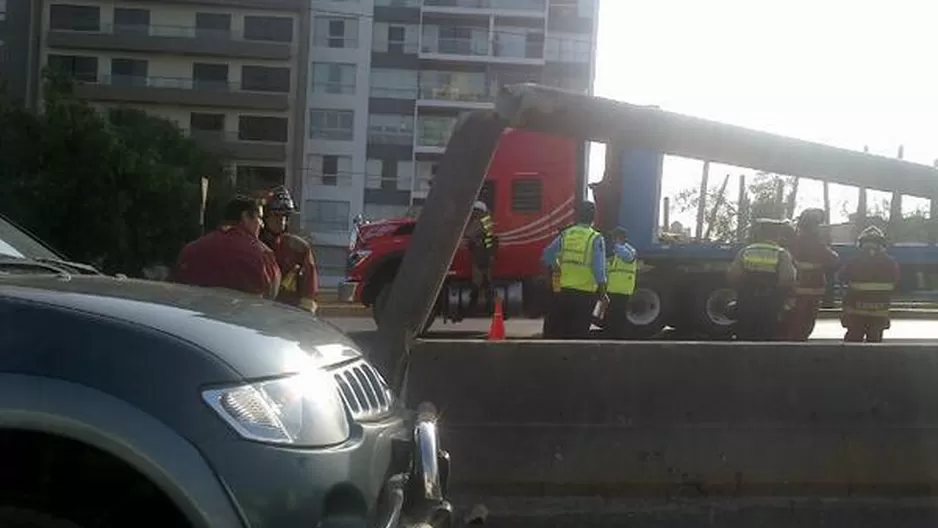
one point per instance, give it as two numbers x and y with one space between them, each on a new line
279 201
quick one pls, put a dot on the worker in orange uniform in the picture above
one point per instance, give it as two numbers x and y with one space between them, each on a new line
870 278
232 256
812 260
294 255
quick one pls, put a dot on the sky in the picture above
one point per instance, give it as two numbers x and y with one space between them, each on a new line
842 73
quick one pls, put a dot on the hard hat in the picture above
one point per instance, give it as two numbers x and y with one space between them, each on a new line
279 201
872 234
480 206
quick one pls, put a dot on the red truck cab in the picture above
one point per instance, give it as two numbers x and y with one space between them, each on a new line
530 190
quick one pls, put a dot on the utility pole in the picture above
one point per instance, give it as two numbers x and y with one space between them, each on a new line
702 203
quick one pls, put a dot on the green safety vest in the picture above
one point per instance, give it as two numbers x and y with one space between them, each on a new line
576 257
761 258
488 232
621 276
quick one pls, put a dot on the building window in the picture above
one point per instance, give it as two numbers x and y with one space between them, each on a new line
330 170
206 125
397 3
74 17
526 195
434 131
82 69
568 49
335 32
405 175
333 78
265 79
213 25
131 21
274 29
397 39
326 216
260 128
210 76
454 86
374 169
425 172
129 72
250 179
394 38
394 84
391 129
337 125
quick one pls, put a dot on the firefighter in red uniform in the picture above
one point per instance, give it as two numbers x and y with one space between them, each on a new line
870 278
300 282
812 260
232 256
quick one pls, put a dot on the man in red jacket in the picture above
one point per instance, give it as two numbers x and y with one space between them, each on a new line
871 278
812 260
300 282
232 256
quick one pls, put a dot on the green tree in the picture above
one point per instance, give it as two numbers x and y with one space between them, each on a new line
120 189
722 213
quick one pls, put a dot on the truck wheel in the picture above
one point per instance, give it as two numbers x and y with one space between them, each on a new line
710 311
382 299
647 312
11 517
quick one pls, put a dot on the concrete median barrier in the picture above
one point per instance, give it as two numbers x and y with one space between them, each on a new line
658 419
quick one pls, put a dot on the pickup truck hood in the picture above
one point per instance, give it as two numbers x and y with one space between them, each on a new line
255 337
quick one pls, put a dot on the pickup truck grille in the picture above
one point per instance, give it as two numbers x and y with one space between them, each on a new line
363 390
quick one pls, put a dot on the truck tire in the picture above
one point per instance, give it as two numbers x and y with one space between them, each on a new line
382 299
709 310
648 311
12 517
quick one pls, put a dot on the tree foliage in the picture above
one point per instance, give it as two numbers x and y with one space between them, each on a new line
121 189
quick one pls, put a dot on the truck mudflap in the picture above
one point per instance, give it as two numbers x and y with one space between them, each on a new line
417 499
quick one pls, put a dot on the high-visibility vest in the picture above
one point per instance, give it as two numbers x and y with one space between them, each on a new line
810 280
761 258
488 231
869 291
576 258
621 275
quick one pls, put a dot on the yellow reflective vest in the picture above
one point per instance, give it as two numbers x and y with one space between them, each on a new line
622 276
576 257
761 258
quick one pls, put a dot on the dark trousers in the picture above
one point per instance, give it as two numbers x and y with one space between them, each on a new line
616 324
758 316
864 329
571 315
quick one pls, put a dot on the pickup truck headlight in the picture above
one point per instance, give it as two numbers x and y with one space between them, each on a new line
304 410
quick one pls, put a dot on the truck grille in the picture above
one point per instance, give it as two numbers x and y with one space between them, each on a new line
363 390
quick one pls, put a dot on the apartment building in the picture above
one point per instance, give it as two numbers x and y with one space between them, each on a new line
229 72
389 79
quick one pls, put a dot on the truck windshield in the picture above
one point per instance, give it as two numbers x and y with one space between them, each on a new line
15 242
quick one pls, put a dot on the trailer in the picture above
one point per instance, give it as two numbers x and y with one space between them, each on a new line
596 433
533 181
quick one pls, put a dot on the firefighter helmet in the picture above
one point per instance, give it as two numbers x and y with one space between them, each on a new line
872 234
480 206
811 219
279 201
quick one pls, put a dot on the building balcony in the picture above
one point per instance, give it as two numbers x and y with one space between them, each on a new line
231 146
517 8
174 40
490 50
179 91
321 180
447 96
433 136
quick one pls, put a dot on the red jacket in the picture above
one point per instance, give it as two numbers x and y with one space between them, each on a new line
300 282
812 259
871 281
229 257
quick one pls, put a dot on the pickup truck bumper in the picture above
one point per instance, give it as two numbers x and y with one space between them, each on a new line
348 291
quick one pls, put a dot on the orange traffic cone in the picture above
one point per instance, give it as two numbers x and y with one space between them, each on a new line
497 328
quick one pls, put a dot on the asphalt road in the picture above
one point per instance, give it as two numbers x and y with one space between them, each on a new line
826 329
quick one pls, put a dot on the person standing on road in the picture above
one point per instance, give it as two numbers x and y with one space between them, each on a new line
232 256
480 232
871 277
622 270
300 283
763 275
812 260
581 254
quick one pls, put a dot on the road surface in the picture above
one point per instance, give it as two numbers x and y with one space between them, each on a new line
826 329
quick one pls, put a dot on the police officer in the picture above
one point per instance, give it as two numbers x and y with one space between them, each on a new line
300 282
622 270
871 277
763 275
581 254
480 231
232 256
